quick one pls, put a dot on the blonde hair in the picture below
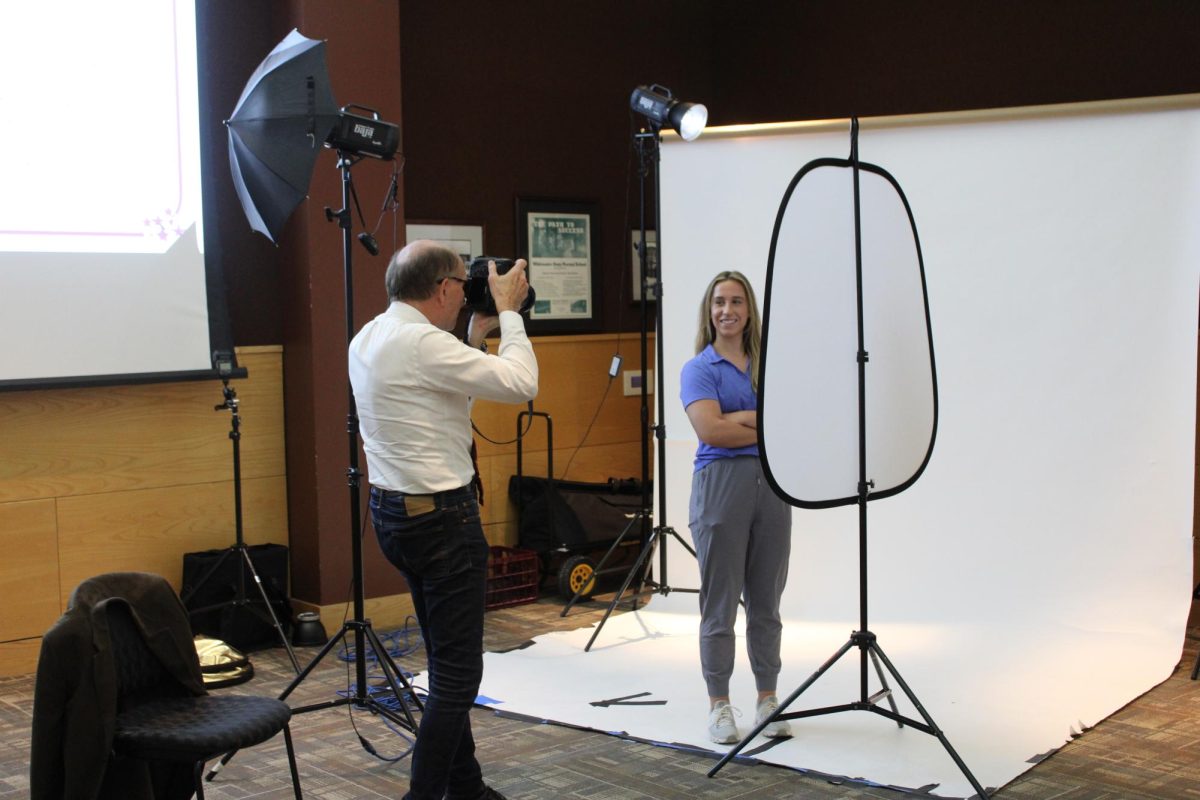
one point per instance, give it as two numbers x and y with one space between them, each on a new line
751 335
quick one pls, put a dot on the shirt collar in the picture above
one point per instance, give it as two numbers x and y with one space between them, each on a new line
710 354
407 313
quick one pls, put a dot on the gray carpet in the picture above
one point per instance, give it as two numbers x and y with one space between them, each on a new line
1149 749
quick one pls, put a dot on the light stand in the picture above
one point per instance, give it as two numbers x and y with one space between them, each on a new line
658 106
238 550
363 632
866 642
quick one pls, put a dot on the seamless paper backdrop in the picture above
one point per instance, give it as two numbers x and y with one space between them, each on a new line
1062 263
1037 577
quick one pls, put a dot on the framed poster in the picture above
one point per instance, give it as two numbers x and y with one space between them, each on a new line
652 260
464 238
558 238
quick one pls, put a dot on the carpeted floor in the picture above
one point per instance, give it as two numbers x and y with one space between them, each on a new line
1149 749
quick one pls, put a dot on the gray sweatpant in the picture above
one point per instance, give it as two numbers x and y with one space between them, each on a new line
743 534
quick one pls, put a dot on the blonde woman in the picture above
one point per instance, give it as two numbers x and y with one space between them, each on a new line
740 528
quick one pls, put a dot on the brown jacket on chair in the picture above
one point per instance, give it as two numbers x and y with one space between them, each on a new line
75 695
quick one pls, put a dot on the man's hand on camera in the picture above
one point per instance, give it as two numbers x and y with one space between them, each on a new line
510 289
480 326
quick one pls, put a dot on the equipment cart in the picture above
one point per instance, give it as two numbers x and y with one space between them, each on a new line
567 522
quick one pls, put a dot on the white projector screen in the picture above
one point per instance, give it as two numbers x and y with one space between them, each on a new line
101 250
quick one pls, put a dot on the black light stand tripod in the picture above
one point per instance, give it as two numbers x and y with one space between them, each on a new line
237 551
648 141
863 638
364 633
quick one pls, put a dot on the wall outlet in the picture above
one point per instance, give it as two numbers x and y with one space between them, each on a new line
632 380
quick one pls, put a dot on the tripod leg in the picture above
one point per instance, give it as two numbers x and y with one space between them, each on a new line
782 707
395 678
663 587
325 650
875 648
883 681
270 610
641 559
681 541
636 518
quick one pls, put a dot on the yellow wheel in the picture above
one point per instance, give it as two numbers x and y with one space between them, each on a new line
577 575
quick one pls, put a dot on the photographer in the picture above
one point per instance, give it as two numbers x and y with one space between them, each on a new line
413 383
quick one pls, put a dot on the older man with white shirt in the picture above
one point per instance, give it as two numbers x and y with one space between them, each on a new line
413 385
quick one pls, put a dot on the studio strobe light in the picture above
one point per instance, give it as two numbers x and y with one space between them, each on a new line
657 105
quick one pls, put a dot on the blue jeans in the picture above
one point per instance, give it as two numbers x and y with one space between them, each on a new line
442 553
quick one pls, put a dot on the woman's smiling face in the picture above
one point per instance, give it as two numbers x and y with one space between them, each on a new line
729 311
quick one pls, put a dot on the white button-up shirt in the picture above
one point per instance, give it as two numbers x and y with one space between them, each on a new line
413 384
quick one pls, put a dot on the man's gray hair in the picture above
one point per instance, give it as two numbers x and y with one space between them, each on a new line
416 268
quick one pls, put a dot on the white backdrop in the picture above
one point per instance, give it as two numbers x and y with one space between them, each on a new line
1062 260
1038 575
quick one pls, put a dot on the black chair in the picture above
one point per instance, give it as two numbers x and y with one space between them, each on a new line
159 720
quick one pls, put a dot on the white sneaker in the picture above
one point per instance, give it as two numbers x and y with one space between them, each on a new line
777 729
721 727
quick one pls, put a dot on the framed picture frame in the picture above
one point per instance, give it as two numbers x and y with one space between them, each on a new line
465 238
635 238
560 240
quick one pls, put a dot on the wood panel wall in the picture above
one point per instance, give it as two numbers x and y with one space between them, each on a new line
100 479
597 429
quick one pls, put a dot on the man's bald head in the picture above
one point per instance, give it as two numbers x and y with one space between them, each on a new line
416 268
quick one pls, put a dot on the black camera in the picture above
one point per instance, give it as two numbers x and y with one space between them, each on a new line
479 294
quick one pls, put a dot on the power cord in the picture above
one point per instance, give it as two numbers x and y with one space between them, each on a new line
520 434
397 644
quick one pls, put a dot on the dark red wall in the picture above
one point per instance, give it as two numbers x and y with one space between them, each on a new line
530 98
294 294
499 100
828 60
233 37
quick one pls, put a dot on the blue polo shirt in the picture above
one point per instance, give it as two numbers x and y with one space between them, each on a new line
709 376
